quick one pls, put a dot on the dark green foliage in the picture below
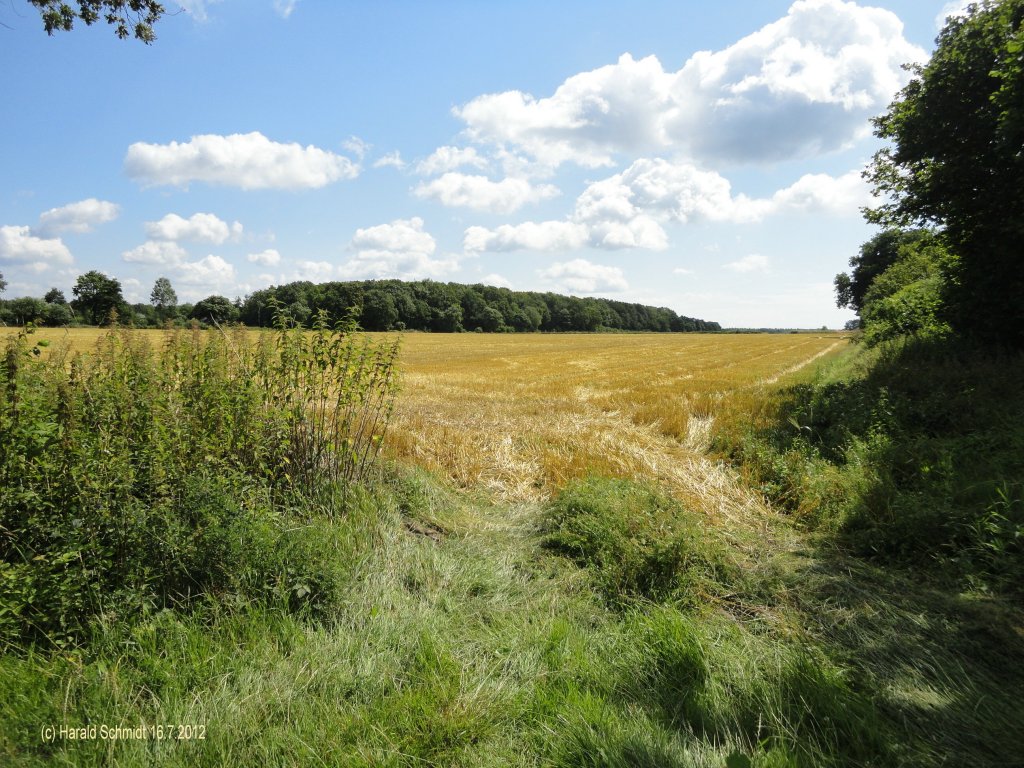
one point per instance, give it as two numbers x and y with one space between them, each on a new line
215 310
955 162
133 18
136 480
452 307
876 255
97 296
26 310
916 458
906 298
637 541
163 298
55 296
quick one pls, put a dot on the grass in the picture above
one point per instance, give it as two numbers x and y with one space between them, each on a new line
654 611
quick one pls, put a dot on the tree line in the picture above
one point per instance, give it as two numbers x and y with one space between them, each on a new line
947 260
377 305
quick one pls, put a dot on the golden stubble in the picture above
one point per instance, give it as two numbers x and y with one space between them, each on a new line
521 415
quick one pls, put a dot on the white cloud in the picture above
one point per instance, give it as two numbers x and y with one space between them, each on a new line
533 236
482 194
399 249
582 276
356 146
682 271
399 235
449 159
752 263
163 252
390 160
284 8
132 290
212 272
629 209
18 244
200 227
248 161
801 85
77 217
498 281
314 271
268 258
821 193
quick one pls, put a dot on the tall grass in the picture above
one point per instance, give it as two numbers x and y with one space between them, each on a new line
135 479
911 453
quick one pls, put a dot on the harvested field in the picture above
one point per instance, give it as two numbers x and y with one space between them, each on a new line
522 415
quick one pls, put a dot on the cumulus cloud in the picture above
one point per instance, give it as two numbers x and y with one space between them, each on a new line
629 209
498 281
249 161
162 252
582 276
752 263
401 249
268 258
533 236
482 194
314 271
200 227
212 272
449 159
804 84
19 245
821 193
77 217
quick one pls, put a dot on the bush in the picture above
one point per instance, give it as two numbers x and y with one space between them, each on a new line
912 456
136 480
637 541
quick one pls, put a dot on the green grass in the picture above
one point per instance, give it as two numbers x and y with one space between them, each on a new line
460 638
405 624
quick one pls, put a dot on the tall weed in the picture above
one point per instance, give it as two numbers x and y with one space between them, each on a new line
134 479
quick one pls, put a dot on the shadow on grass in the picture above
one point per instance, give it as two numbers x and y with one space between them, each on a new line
945 670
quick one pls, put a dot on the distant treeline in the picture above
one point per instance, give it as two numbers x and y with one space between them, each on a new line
452 307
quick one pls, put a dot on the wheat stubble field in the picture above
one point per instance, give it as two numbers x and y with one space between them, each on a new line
522 415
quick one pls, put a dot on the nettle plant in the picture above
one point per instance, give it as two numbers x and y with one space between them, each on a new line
133 479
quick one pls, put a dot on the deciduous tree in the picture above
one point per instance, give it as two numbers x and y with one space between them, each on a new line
956 161
130 18
96 295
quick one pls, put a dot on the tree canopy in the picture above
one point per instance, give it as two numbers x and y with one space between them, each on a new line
130 18
956 162
163 297
427 305
96 295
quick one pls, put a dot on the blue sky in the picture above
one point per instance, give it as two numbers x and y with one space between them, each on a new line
700 156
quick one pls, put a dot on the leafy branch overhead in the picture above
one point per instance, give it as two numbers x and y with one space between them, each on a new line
128 17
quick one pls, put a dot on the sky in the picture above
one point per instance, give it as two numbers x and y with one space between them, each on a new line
706 157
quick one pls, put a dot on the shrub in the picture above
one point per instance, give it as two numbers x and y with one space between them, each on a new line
637 541
135 480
